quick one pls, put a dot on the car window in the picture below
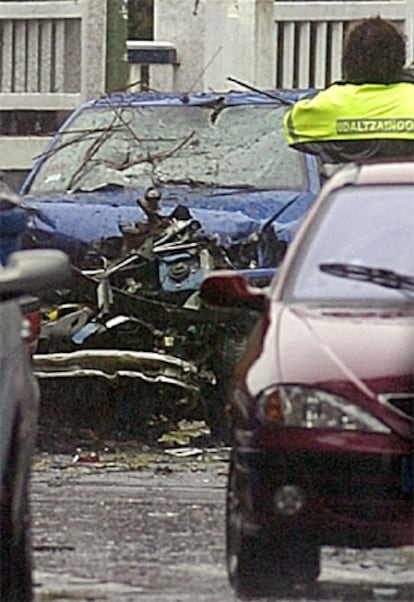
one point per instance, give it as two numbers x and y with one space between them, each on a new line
367 226
234 146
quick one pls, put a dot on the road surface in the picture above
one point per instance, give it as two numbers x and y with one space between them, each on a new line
149 526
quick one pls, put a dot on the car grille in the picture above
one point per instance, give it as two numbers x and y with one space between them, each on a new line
402 402
374 512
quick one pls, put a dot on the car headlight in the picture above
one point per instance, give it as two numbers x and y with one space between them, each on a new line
305 407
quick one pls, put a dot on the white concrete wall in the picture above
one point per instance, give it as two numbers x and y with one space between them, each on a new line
93 57
20 152
216 39
72 67
70 38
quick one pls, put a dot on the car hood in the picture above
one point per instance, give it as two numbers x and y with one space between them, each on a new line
364 355
99 215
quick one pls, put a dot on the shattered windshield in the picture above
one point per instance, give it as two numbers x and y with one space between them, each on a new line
364 234
236 146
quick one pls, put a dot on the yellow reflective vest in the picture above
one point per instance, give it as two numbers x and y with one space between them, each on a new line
353 112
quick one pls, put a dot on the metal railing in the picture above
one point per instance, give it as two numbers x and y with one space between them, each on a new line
52 53
52 57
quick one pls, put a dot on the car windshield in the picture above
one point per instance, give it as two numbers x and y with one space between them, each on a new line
237 146
359 248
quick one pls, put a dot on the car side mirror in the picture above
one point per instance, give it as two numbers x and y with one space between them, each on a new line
231 290
31 270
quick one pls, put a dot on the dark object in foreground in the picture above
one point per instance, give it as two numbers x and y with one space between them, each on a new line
23 273
321 401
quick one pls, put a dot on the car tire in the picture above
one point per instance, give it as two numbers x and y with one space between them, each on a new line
239 547
249 556
262 563
15 531
300 559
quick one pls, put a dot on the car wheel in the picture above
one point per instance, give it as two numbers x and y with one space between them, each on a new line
299 559
263 563
15 536
239 547
249 556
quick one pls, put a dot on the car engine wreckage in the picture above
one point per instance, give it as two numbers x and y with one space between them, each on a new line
148 299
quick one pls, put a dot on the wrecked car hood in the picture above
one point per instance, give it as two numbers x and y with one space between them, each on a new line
221 156
87 217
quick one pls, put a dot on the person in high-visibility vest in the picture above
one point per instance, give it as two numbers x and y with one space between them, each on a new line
370 114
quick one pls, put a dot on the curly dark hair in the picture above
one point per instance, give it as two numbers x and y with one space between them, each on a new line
374 52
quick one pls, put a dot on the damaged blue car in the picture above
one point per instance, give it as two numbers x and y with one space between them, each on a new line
147 193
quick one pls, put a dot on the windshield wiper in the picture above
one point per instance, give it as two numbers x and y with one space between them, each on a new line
387 278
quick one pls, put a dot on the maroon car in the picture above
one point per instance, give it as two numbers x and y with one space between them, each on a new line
321 402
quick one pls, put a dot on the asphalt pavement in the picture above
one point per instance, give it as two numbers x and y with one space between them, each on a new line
142 525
